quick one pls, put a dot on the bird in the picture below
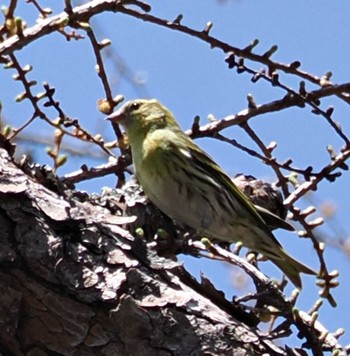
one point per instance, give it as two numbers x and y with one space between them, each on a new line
186 184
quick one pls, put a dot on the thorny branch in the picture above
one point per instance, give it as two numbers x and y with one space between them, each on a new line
303 321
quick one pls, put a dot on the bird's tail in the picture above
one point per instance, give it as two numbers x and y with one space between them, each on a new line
291 267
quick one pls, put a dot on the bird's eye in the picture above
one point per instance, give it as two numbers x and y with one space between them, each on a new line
135 105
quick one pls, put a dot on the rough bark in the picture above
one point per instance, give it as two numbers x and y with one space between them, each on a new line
74 280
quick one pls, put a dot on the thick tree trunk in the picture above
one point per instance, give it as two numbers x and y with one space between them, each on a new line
73 280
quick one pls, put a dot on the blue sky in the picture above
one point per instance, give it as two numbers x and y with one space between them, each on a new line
192 79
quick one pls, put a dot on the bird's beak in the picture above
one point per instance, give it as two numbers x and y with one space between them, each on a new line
117 116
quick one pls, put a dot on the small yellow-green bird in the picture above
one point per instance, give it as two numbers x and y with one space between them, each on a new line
188 186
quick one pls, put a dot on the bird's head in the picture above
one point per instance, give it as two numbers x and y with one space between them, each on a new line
142 116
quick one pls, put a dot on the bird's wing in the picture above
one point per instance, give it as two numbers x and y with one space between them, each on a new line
272 220
209 167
